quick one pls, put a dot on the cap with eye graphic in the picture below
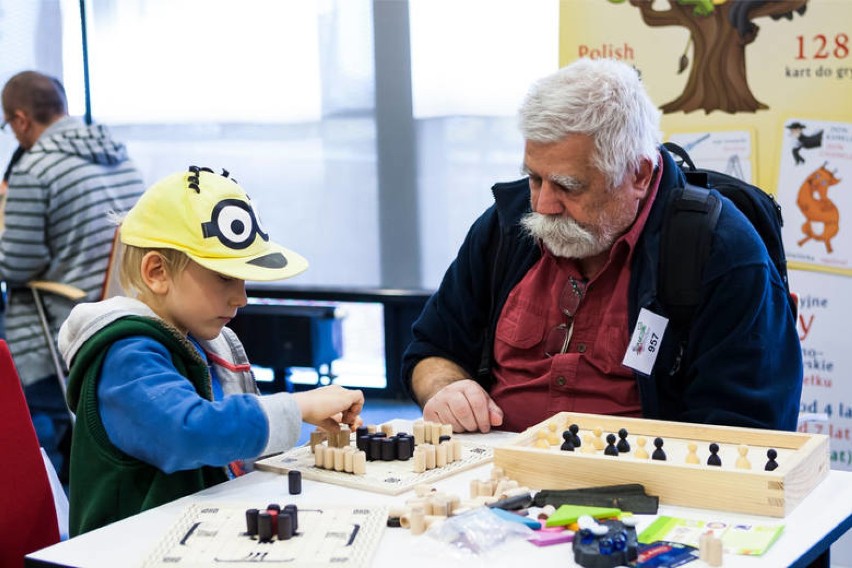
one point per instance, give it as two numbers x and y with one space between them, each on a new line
211 219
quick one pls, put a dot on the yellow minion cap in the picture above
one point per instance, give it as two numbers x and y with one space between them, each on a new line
210 218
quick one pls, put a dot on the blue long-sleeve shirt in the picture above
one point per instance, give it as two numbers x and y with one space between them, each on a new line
143 398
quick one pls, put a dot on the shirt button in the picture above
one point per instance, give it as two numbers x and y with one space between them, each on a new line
581 348
560 381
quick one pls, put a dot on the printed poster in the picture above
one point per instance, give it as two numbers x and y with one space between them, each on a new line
728 152
826 408
815 193
714 65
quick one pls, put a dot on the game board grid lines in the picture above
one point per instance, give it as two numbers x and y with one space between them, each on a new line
215 533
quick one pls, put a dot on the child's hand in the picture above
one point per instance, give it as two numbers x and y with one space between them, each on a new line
328 407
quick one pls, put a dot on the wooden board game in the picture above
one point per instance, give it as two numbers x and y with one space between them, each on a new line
388 477
803 461
208 534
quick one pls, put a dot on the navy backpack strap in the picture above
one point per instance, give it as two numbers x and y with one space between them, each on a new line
687 234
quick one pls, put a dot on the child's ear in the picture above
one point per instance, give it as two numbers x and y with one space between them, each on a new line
154 273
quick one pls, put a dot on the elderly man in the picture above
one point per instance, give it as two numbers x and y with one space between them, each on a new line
536 313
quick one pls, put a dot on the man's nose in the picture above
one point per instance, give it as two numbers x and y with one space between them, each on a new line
548 202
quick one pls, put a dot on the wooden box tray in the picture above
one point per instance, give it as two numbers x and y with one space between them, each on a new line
803 462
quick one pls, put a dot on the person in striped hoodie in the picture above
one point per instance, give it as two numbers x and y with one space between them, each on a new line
62 192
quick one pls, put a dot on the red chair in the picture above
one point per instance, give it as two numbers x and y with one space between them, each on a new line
27 511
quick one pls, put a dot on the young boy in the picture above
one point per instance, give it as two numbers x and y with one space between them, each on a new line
165 400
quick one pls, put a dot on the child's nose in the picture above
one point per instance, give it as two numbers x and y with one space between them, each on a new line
239 298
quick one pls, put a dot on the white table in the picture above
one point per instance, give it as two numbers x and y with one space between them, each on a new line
823 517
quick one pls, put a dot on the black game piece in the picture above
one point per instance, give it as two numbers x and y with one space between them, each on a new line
574 429
388 449
623 445
264 526
251 521
273 507
403 448
771 464
568 444
285 526
375 452
658 454
293 512
610 449
714 458
294 482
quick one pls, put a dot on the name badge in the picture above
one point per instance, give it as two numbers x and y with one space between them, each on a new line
645 342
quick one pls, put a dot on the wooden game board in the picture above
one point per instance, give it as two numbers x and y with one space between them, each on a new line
209 534
802 463
388 477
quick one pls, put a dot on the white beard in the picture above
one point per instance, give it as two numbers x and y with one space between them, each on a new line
566 238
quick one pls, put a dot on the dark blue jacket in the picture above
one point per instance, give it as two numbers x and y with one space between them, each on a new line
739 364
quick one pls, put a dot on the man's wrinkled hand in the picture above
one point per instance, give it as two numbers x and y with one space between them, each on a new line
465 405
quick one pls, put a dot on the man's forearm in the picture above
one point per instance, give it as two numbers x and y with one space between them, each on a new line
432 374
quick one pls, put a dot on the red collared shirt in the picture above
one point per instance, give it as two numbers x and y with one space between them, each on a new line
530 386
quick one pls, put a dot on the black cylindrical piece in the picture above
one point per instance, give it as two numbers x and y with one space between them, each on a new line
403 449
388 449
264 526
294 481
375 452
294 512
251 521
285 526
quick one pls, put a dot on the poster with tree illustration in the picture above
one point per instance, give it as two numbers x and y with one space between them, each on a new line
721 65
815 193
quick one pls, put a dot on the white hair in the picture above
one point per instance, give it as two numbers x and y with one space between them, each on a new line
601 98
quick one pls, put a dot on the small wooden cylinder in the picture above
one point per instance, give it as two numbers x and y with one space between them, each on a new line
348 462
430 456
435 435
441 455
419 433
359 463
457 450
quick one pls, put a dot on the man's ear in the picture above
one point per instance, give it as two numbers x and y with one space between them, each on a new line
642 177
154 273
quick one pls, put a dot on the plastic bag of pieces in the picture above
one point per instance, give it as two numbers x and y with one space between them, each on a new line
477 532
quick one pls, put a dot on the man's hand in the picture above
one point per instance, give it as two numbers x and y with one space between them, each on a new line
465 405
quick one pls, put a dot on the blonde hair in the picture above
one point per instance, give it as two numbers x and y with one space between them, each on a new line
130 274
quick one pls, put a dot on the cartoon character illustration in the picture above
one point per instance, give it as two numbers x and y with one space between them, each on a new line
797 131
818 208
719 32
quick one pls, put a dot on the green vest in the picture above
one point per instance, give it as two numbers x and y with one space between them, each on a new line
106 484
